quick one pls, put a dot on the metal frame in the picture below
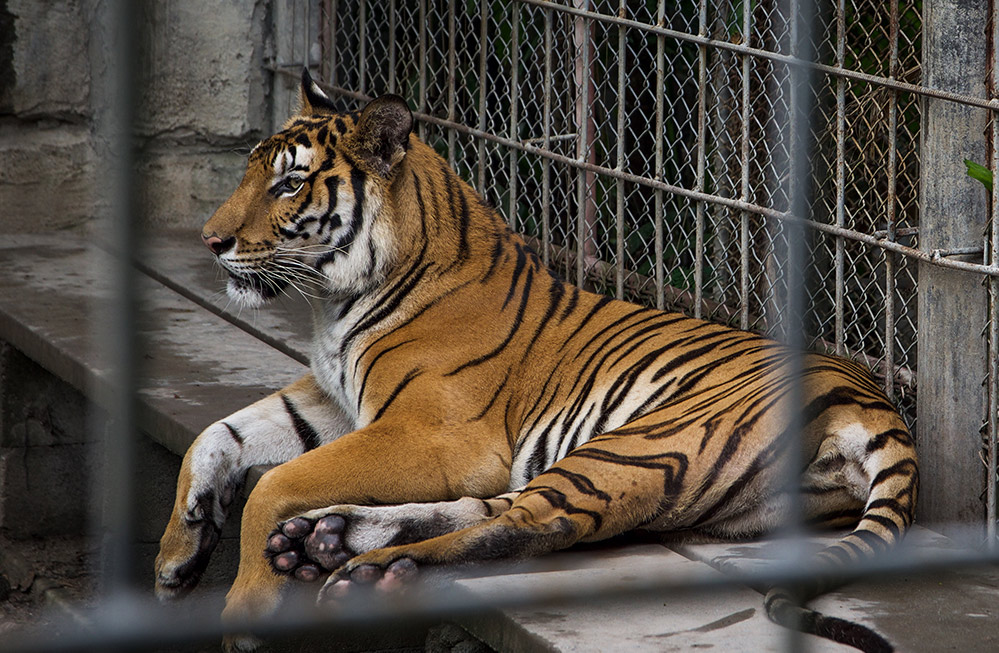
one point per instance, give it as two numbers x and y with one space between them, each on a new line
531 138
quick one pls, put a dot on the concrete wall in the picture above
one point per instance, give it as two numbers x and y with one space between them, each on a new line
204 104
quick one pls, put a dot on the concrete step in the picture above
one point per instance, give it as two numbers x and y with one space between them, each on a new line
951 610
732 619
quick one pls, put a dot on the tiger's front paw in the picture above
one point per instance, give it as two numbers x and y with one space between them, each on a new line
188 542
184 553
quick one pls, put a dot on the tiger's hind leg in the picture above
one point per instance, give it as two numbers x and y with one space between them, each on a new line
603 488
320 541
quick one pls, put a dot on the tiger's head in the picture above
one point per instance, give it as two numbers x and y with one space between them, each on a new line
312 210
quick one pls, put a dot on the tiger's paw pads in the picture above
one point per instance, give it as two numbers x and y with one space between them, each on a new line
365 577
306 548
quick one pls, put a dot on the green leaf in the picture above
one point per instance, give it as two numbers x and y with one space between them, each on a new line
979 172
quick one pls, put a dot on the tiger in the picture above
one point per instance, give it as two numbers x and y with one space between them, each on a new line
465 404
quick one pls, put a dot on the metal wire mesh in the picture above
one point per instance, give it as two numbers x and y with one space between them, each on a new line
645 148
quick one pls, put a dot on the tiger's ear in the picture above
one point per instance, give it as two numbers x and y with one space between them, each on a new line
311 99
381 136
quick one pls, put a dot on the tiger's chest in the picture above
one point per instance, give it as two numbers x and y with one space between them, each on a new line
330 360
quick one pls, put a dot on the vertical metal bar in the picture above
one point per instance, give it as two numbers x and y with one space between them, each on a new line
451 54
747 13
333 41
583 80
391 40
801 48
514 112
362 49
622 54
546 163
480 145
992 420
840 256
891 212
291 108
325 36
121 347
423 67
307 46
658 203
702 89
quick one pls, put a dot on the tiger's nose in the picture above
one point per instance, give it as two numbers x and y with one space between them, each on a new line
218 245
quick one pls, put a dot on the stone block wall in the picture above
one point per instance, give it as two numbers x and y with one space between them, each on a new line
203 104
47 451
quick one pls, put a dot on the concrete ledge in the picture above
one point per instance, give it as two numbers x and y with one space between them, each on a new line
54 307
729 620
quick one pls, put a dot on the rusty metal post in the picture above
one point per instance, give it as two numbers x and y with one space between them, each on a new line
952 304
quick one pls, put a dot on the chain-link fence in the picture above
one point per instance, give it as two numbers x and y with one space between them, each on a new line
645 149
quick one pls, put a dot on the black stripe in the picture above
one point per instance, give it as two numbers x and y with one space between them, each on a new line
371 366
886 522
307 434
853 514
418 192
873 540
492 400
905 467
881 439
559 501
582 484
517 323
570 305
412 374
234 432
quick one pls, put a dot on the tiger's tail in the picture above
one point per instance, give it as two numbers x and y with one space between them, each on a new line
890 460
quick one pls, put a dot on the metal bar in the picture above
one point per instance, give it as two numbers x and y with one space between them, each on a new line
581 32
546 128
702 88
119 343
551 139
785 216
391 44
151 626
789 60
333 40
307 45
892 190
840 255
325 39
480 145
956 251
899 232
451 64
747 13
799 200
622 58
992 378
362 51
658 202
514 112
422 129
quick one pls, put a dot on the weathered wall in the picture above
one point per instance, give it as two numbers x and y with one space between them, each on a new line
203 105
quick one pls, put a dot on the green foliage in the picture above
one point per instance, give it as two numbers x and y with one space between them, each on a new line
979 172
